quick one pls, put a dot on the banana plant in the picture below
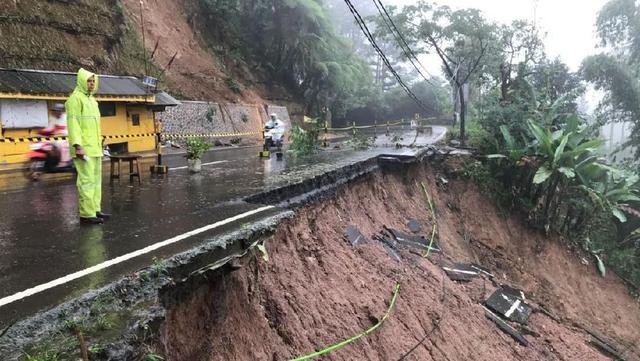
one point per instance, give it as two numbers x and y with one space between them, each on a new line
616 193
566 152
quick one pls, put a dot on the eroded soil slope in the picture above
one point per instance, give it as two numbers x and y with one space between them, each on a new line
317 289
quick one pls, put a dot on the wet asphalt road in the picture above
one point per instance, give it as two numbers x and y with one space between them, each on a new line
41 239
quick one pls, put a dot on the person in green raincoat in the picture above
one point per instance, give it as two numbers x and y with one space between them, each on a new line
85 138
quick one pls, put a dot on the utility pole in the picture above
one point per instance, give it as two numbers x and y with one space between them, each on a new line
144 49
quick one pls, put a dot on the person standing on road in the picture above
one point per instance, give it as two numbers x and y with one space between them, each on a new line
83 122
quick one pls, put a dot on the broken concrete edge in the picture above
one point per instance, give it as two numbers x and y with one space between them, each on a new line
303 192
322 185
141 286
327 190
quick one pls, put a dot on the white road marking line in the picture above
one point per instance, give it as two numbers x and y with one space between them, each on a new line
210 163
68 278
513 308
459 271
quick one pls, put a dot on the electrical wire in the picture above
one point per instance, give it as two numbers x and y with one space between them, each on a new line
404 46
365 30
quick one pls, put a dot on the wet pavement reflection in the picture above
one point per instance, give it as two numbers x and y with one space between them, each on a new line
41 239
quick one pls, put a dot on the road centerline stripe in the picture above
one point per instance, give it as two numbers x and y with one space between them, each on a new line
210 163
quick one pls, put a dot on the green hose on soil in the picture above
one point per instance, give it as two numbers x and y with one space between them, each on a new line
433 218
341 344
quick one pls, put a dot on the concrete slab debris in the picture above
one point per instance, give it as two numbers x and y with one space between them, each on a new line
515 292
411 240
391 252
354 236
400 236
509 303
603 344
460 272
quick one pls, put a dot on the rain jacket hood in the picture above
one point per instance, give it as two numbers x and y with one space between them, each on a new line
83 117
81 82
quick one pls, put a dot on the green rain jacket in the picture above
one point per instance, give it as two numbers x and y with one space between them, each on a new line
83 117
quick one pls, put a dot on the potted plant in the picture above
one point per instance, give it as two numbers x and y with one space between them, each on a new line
195 149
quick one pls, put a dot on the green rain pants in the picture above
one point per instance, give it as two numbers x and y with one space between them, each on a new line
89 185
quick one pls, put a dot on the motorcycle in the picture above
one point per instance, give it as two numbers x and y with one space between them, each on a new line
273 137
48 156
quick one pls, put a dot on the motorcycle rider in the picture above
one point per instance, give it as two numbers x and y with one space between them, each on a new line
275 129
57 151
58 120
58 124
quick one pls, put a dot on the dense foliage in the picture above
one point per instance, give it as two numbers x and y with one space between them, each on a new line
315 50
296 44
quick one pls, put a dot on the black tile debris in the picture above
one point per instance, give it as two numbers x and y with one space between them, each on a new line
515 292
354 236
389 245
414 226
509 303
460 272
411 240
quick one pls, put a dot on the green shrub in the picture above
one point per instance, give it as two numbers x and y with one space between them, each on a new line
303 142
196 147
234 86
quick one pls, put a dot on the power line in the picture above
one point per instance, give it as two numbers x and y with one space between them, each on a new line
406 49
369 36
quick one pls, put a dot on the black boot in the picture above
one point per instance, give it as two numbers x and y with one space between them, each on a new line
104 216
91 220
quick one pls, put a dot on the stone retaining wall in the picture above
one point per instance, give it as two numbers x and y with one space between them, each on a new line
196 117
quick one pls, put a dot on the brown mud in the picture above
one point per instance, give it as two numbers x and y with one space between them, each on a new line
317 289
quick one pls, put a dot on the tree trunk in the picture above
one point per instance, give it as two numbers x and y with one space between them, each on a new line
505 75
463 110
551 192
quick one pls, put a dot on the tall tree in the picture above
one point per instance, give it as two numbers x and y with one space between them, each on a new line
461 39
616 72
519 49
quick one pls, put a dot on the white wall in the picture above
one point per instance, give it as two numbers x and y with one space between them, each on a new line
23 114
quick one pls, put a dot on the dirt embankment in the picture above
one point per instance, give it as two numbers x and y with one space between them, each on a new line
106 36
197 72
317 289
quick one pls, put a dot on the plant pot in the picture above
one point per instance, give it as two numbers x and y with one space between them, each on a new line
194 165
